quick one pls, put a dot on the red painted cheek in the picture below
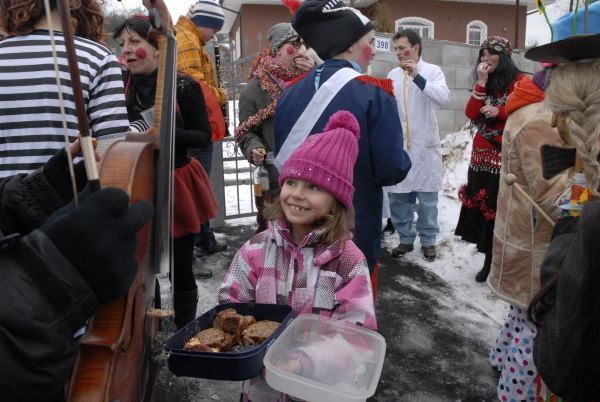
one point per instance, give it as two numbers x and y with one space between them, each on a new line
406 53
290 50
140 53
367 52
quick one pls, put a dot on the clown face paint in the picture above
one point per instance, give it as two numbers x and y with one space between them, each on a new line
140 53
287 53
405 51
363 50
134 47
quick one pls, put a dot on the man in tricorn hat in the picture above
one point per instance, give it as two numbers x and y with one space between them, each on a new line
343 37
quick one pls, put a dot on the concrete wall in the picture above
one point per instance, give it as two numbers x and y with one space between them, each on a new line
457 61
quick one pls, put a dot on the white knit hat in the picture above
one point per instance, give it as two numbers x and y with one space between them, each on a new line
208 13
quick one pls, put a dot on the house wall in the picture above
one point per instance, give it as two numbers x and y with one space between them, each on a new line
451 18
256 19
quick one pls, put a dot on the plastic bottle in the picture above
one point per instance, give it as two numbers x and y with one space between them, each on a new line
261 186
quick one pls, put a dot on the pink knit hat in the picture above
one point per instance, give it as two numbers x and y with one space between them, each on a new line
327 159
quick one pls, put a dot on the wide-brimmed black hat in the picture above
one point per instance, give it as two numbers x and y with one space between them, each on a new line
572 48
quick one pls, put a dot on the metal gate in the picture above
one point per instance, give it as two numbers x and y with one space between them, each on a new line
231 173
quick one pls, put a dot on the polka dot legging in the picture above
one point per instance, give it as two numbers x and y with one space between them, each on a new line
512 355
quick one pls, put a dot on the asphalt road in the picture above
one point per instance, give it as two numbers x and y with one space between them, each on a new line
437 341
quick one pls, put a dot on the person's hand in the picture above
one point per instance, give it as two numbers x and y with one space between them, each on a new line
489 111
258 156
410 66
75 148
225 94
483 70
304 62
99 238
56 171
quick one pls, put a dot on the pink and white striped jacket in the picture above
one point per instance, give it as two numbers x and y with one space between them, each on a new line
332 281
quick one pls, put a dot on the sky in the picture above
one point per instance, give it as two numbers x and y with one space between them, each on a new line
176 7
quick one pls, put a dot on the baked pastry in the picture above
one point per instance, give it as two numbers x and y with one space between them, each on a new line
214 339
230 321
196 344
258 332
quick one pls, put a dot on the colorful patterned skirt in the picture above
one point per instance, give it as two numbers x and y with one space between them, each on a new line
479 197
512 356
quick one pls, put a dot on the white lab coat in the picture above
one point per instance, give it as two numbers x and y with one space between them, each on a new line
425 151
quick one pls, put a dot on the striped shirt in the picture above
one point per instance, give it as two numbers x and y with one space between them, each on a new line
192 58
31 124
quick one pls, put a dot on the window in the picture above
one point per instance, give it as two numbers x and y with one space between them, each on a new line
421 26
476 32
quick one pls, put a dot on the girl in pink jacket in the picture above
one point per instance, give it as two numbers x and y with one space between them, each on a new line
306 259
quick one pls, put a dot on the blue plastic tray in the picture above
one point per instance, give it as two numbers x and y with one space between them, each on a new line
242 363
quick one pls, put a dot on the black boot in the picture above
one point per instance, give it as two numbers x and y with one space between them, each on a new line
485 271
185 304
388 230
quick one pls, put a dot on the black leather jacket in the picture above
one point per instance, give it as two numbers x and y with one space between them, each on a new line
43 299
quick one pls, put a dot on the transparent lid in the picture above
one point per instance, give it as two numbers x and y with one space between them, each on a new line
318 358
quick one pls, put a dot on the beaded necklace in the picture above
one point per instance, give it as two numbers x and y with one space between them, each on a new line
139 102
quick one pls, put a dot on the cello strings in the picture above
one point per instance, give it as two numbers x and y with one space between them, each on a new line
61 101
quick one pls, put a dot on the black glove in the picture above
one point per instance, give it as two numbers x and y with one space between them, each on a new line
99 238
567 224
56 171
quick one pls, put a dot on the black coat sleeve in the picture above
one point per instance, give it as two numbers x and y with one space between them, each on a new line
43 301
26 201
566 349
194 129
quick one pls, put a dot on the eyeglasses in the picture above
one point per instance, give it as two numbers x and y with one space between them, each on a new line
297 43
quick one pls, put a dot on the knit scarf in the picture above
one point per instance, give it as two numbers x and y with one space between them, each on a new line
267 68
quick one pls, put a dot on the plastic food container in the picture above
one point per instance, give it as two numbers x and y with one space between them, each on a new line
242 363
321 359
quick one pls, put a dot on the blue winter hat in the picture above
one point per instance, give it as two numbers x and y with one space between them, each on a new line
209 14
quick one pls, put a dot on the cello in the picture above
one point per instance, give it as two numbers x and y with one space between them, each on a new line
118 356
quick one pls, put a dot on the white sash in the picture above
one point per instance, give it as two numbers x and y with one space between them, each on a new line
307 120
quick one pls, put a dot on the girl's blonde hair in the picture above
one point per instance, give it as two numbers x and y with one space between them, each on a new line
574 92
335 222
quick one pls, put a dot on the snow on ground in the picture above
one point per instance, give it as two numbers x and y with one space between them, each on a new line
457 261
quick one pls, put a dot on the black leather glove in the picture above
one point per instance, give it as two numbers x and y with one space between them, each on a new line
56 171
99 238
